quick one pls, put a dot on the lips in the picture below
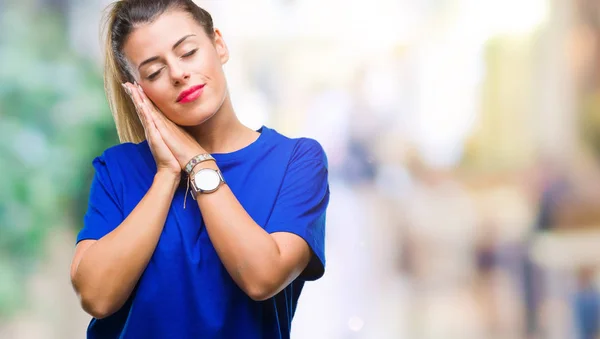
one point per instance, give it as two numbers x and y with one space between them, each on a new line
190 94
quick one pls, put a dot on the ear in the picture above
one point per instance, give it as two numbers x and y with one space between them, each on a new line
221 47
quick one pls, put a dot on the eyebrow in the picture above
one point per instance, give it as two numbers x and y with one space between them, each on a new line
154 58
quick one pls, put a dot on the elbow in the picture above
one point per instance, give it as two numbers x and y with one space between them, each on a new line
96 309
261 289
258 293
97 298
95 305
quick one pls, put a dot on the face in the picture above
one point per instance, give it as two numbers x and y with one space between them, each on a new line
179 67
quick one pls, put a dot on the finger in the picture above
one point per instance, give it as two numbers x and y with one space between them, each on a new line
152 109
153 131
140 105
135 96
148 106
144 119
160 124
142 93
128 90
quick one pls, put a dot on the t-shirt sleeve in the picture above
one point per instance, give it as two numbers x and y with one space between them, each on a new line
301 205
104 212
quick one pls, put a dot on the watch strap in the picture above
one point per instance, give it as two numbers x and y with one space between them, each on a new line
196 160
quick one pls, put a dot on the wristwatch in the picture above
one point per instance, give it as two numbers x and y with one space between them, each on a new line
206 180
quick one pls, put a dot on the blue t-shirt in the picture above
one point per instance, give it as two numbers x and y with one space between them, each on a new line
185 291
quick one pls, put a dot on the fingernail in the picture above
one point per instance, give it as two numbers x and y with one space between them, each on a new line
126 89
141 91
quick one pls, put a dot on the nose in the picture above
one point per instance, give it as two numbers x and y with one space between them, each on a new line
179 75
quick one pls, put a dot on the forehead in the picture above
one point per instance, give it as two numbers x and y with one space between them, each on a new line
157 37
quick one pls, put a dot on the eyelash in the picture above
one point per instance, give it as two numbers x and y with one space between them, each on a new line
188 54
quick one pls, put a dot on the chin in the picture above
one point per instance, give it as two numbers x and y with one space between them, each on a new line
195 120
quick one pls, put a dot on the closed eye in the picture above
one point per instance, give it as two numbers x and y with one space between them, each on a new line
154 75
190 53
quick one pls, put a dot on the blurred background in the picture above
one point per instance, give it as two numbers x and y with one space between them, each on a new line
463 138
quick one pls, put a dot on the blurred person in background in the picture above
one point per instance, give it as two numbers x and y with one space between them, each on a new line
587 304
148 266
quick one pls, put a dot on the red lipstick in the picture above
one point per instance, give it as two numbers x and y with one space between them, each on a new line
190 94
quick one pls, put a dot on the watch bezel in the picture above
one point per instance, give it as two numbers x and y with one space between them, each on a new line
197 190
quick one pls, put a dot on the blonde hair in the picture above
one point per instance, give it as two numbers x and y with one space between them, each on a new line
119 20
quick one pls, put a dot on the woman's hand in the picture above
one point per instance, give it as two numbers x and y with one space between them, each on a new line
181 144
164 158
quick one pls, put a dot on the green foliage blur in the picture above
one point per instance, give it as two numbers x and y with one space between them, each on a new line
54 120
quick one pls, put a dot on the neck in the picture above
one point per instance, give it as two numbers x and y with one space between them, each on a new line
223 132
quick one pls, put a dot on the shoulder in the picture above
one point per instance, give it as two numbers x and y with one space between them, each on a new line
123 153
119 160
301 149
308 149
122 166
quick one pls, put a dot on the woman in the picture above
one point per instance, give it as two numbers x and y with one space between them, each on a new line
230 263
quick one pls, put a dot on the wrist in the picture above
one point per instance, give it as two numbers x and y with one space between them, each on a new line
212 164
201 158
190 154
164 175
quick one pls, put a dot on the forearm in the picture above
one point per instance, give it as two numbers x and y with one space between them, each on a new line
250 255
111 267
248 252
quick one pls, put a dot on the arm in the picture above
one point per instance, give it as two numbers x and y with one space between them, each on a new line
104 272
261 264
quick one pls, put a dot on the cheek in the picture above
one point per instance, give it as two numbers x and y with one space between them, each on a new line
159 97
208 65
218 77
155 96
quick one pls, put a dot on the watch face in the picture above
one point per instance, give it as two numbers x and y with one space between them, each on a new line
207 179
